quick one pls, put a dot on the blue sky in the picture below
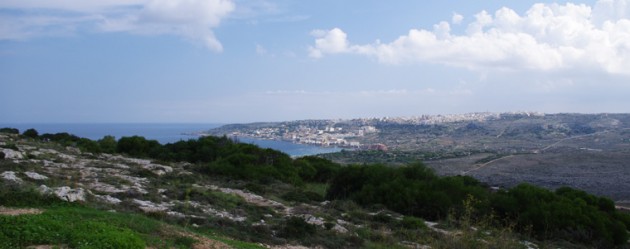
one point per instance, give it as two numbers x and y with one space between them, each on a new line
205 61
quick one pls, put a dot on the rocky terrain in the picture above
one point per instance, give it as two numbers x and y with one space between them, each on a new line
195 208
223 207
124 183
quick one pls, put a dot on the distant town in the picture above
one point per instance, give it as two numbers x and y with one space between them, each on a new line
343 133
321 133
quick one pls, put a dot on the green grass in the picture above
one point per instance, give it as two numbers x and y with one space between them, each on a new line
319 188
82 227
76 226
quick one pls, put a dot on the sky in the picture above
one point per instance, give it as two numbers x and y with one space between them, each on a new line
234 61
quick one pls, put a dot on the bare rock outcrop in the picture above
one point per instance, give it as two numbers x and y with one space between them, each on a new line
12 154
35 175
64 193
69 194
11 176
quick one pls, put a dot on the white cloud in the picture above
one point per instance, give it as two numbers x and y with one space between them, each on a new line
192 19
548 37
457 18
333 41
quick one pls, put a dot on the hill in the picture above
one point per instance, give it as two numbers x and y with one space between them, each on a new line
215 193
586 151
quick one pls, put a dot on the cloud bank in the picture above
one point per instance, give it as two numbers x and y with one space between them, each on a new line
547 37
192 19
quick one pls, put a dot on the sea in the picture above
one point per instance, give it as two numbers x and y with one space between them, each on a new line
164 133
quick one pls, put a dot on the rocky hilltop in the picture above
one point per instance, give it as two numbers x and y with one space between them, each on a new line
171 191
216 193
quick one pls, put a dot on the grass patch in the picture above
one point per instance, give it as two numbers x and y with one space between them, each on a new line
76 226
83 227
319 188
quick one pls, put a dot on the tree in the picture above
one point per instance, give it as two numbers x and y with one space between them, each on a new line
108 144
32 133
139 146
9 130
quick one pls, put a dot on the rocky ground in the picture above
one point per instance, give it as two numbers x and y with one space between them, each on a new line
131 184
243 211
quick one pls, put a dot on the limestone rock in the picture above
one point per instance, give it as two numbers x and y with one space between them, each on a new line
158 169
108 199
11 176
35 175
69 194
313 220
150 207
12 154
44 189
339 229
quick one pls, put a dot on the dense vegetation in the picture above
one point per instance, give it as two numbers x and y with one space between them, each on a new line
564 214
567 213
413 190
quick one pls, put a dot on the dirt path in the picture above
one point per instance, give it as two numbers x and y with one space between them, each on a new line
543 149
19 211
580 136
485 164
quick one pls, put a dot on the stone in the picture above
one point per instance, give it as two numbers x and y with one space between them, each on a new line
11 176
106 188
69 194
339 229
45 190
310 219
150 207
35 175
108 199
12 154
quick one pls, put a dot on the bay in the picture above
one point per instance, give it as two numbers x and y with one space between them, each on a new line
163 133
295 150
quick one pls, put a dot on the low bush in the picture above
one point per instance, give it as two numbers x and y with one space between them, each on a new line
15 195
296 228
9 130
302 196
410 222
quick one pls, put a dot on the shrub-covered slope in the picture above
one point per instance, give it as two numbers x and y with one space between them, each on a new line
214 187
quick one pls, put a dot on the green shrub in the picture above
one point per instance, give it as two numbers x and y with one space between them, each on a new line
9 130
302 196
24 196
296 228
410 222
31 133
10 146
411 190
567 214
185 242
